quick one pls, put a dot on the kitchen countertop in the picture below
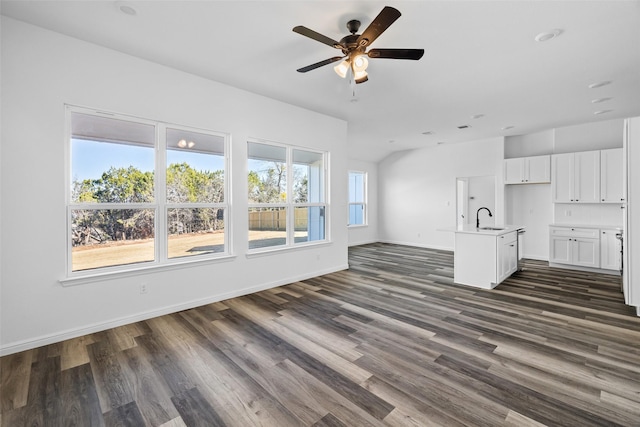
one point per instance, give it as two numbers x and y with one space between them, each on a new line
471 229
618 227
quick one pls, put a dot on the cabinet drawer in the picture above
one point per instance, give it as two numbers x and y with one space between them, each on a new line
508 238
593 233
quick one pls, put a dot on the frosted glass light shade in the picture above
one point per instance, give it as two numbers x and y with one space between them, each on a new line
342 68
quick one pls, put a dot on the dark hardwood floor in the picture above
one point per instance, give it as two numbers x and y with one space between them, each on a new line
391 341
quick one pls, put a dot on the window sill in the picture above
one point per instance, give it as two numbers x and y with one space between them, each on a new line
140 270
254 253
357 225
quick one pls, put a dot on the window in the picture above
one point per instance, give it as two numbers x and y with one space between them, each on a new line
287 202
357 198
143 192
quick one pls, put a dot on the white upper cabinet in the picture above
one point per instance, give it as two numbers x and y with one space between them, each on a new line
575 177
527 170
611 176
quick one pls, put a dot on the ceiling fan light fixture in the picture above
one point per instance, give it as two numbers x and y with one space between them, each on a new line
342 68
360 76
359 63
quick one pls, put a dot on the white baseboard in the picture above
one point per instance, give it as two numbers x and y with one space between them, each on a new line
101 326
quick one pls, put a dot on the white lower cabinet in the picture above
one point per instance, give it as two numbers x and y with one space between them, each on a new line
507 255
484 259
584 247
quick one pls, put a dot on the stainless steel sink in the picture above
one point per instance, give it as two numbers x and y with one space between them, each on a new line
491 228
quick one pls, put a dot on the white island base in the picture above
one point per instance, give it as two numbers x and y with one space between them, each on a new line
485 258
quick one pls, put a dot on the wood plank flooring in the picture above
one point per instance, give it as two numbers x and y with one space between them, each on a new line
390 342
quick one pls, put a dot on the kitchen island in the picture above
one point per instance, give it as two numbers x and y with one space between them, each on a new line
484 256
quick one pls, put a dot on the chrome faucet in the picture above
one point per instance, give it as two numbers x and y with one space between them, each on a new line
478 216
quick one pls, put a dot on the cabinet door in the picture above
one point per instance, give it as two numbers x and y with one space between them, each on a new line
609 250
560 249
514 171
507 256
538 169
585 252
611 176
587 177
562 177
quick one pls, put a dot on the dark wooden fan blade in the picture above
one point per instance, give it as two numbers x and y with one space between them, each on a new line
396 53
384 19
316 36
319 64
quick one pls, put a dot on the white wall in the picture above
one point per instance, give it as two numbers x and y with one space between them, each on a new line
361 235
41 71
417 190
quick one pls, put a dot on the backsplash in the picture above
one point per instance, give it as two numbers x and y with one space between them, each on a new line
587 213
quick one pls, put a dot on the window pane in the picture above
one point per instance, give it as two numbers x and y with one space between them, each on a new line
356 214
195 167
195 231
309 224
267 227
109 237
267 173
356 187
112 160
308 177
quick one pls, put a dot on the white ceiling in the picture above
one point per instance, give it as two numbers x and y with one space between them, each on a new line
480 58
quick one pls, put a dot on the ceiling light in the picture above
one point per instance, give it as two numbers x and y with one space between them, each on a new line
191 144
599 100
360 76
477 116
597 113
126 8
599 84
182 143
342 68
359 63
548 35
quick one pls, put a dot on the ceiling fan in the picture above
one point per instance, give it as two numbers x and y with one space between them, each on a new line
354 46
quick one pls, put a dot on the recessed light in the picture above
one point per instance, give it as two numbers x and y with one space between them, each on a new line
507 127
182 143
126 8
599 100
429 132
597 113
548 35
477 116
599 84
464 127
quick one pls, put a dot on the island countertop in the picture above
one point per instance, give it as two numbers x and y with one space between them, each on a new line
496 230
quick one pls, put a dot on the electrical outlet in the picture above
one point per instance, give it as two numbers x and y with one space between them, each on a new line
144 288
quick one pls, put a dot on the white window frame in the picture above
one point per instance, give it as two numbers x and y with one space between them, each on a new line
159 205
290 205
364 203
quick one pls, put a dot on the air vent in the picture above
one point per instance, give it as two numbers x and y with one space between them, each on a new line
464 127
